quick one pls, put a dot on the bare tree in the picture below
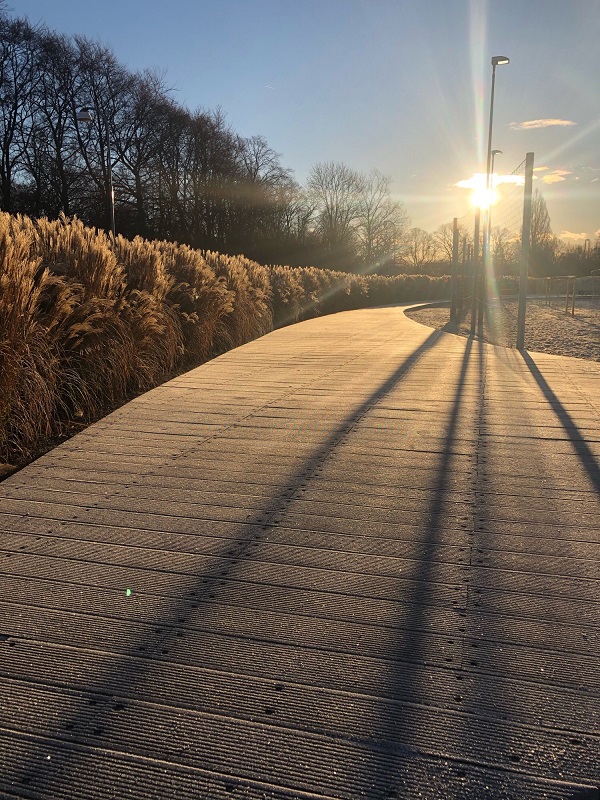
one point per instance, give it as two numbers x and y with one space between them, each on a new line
137 145
53 159
381 222
104 85
338 192
443 239
544 244
17 58
419 250
260 163
256 195
505 250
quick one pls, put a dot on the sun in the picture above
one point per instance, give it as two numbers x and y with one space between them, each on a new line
483 197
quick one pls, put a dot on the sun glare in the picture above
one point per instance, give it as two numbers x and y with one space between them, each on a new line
481 196
484 198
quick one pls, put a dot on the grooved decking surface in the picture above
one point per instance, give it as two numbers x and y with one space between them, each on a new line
363 562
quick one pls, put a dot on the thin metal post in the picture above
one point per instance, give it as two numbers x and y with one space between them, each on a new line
111 191
476 269
525 247
462 275
482 290
463 272
487 221
454 287
489 149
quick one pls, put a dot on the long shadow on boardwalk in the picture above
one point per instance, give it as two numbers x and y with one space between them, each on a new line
41 777
504 704
586 457
407 725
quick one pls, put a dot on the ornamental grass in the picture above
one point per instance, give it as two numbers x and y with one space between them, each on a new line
88 322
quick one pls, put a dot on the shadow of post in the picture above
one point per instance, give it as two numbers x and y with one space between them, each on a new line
413 650
586 457
496 712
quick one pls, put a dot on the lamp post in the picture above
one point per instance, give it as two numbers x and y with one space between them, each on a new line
496 61
86 115
491 188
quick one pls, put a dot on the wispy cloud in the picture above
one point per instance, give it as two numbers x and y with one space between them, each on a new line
540 169
556 176
539 123
578 237
552 178
478 180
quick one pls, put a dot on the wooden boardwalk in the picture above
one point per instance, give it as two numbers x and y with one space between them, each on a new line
356 558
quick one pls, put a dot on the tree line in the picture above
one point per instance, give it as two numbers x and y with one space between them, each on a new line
178 175
187 176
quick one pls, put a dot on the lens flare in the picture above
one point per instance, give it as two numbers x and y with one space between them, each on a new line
484 198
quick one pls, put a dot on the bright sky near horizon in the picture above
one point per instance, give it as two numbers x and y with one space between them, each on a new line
398 85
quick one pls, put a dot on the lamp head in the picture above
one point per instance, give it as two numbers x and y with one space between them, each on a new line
496 152
498 60
85 115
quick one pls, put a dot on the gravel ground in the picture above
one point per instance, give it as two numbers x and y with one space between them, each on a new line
548 329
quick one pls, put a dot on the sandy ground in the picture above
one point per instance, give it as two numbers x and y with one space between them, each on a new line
548 329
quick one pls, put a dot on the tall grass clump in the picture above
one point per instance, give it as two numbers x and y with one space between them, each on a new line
95 336
286 295
29 378
200 298
250 289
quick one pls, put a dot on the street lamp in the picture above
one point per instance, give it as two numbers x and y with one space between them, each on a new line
496 61
86 115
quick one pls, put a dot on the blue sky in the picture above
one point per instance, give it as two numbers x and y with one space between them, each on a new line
398 85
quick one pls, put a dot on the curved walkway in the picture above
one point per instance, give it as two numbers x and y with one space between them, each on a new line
356 558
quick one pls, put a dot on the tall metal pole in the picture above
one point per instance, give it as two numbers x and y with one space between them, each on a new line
496 60
463 273
454 286
525 247
486 240
476 269
489 149
489 210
